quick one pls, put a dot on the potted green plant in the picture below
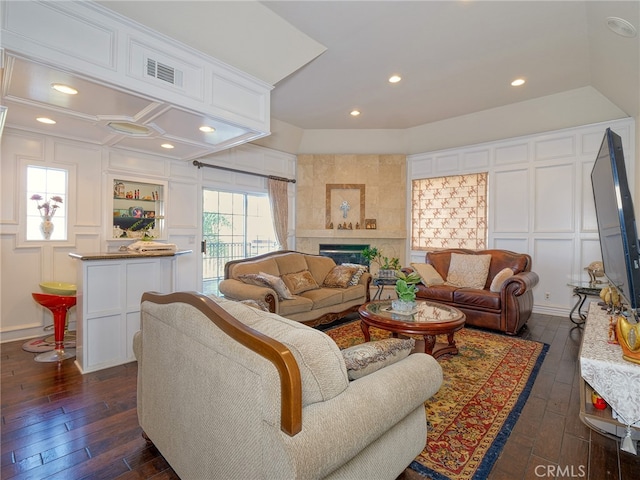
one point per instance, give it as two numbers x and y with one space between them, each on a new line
406 290
388 266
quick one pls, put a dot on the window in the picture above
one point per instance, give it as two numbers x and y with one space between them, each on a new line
46 203
234 225
449 212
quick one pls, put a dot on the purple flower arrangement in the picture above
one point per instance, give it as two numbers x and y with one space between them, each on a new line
48 208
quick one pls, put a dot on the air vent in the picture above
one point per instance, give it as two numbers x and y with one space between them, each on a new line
164 72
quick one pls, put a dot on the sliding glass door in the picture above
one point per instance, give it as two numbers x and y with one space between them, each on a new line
234 225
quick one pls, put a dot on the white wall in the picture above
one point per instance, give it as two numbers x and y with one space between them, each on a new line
540 200
24 264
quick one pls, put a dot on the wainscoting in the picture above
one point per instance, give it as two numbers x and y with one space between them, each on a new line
539 200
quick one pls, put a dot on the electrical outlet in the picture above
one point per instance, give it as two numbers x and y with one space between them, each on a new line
547 296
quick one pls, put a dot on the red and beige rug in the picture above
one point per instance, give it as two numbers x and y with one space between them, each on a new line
470 418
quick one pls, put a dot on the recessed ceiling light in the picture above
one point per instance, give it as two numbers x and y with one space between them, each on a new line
621 27
395 78
207 129
517 82
167 146
46 120
64 88
355 113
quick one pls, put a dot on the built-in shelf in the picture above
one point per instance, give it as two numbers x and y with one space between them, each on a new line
355 234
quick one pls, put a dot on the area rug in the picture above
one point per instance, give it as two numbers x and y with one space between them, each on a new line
470 418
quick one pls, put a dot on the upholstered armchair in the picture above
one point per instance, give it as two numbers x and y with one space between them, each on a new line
228 391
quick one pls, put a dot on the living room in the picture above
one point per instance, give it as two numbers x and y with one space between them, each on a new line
537 152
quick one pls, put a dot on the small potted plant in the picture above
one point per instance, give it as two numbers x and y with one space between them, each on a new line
406 290
388 266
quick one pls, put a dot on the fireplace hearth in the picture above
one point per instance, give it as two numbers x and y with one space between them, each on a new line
344 253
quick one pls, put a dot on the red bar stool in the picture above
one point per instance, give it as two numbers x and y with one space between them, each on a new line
60 288
59 305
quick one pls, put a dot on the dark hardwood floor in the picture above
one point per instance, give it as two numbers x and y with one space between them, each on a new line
59 424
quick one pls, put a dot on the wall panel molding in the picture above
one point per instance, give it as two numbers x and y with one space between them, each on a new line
540 199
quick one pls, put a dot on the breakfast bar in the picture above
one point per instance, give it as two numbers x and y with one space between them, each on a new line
109 288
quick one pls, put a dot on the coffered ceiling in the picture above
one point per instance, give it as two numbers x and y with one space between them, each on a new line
327 58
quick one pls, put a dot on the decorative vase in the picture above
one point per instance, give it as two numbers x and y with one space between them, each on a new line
46 227
403 306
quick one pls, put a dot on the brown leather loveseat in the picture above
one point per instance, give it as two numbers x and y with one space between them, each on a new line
507 308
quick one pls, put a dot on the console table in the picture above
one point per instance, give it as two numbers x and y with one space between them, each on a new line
582 290
603 369
382 282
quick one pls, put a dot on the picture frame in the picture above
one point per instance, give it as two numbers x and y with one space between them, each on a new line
370 224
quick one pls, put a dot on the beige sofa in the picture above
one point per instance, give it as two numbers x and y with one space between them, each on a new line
232 392
312 307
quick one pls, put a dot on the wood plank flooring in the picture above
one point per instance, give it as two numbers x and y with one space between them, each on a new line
58 424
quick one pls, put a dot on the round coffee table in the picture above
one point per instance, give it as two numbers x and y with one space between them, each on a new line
428 320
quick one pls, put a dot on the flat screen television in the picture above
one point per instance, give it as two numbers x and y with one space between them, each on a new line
616 221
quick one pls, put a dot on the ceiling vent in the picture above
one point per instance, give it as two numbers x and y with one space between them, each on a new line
164 72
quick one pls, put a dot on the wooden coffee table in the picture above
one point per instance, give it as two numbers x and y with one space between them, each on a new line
428 320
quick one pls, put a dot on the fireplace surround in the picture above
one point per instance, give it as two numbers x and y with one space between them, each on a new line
344 253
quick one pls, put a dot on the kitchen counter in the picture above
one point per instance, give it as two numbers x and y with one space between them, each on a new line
119 255
109 288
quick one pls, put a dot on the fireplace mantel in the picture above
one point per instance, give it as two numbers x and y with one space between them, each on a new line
361 233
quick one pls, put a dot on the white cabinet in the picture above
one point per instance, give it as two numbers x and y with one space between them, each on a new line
108 304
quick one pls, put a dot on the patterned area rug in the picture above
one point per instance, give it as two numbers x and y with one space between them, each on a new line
470 418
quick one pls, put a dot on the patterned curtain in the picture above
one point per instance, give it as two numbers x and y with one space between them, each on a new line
449 212
279 200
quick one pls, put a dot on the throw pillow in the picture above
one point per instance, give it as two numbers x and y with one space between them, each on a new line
366 358
257 304
428 274
339 277
500 278
468 271
356 276
300 282
270 281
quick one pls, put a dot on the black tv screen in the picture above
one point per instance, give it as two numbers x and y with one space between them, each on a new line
616 220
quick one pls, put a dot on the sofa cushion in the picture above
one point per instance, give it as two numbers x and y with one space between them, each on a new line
267 265
474 299
339 277
369 357
437 293
300 282
324 297
428 274
319 266
469 271
263 279
499 279
354 292
319 359
291 262
355 279
297 305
